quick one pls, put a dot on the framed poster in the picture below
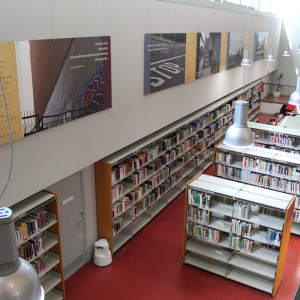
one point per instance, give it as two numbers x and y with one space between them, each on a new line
71 78
164 61
261 40
9 80
57 81
234 49
208 53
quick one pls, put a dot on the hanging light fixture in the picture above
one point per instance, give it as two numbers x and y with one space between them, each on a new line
286 51
270 56
246 62
239 134
298 50
18 278
295 97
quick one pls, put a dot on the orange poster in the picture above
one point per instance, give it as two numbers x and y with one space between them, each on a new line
224 44
9 79
190 58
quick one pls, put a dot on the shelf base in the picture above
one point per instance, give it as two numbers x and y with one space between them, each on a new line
295 228
199 262
251 280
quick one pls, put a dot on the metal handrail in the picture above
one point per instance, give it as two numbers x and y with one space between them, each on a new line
284 89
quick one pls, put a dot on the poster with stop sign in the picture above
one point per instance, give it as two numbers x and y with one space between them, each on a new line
164 61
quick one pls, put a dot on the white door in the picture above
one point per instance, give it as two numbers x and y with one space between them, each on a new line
71 218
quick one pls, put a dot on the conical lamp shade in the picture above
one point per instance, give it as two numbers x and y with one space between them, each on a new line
295 97
270 56
239 134
18 278
246 60
286 51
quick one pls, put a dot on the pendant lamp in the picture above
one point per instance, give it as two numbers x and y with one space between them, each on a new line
239 134
286 51
18 278
295 97
270 56
246 60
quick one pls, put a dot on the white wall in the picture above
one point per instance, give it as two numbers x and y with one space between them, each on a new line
47 157
290 66
286 64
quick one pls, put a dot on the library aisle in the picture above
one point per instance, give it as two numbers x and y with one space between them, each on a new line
150 267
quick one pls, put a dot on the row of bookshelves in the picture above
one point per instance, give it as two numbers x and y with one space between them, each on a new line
213 120
128 181
233 238
180 152
181 141
147 212
168 166
171 172
203 127
157 206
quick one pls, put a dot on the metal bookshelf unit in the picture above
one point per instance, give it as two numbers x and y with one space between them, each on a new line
269 168
34 227
136 183
283 139
276 137
244 233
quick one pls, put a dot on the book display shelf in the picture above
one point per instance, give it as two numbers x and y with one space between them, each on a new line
269 168
237 231
283 139
134 184
38 239
276 137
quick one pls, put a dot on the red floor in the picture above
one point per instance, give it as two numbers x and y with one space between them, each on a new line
150 267
263 118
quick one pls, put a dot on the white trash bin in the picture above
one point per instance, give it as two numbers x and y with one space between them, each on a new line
102 254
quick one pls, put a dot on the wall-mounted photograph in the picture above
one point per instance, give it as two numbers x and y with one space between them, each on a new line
208 53
71 78
164 61
234 49
260 45
55 81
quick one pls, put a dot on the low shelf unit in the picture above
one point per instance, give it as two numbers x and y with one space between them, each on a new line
38 239
237 231
269 168
276 137
137 182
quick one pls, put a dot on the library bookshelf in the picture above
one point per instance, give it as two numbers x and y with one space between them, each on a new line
269 168
134 184
237 231
276 137
38 239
